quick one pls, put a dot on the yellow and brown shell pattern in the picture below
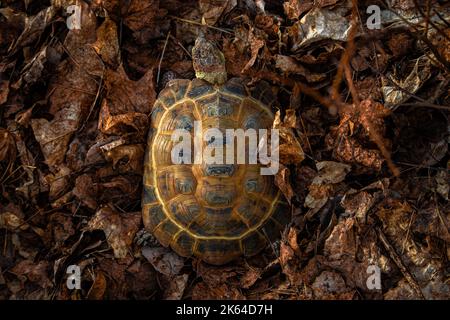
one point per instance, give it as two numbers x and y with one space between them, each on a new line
214 212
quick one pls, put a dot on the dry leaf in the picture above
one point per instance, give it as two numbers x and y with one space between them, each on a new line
164 260
119 229
54 136
176 287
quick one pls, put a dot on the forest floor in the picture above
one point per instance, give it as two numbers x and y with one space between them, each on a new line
364 122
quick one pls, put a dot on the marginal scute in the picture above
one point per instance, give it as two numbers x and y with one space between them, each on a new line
166 231
234 86
149 194
263 92
184 209
199 88
271 229
183 244
282 214
178 87
152 216
216 251
253 243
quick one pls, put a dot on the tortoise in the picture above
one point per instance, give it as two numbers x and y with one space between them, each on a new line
215 212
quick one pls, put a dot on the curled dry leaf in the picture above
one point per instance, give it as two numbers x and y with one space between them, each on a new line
289 65
132 154
290 150
357 205
12 218
34 71
282 181
98 288
256 43
367 121
295 8
319 24
164 260
322 187
401 90
119 229
289 264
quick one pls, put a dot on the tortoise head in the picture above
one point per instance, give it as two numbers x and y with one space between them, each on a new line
208 61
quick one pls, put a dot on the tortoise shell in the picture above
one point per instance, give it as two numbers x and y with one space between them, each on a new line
214 212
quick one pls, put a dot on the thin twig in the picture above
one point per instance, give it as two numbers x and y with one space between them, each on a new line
394 256
162 57
201 25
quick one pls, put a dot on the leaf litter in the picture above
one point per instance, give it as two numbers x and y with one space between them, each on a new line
364 126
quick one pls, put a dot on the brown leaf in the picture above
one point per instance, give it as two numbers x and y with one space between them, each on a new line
34 26
282 181
202 291
34 272
98 288
323 185
127 102
176 287
107 44
213 10
367 120
216 274
289 65
290 150
289 264
342 241
295 8
76 81
358 205
86 191
145 19
58 182
164 260
12 218
4 91
7 146
256 44
249 278
331 286
119 229
234 59
133 154
141 280
54 136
